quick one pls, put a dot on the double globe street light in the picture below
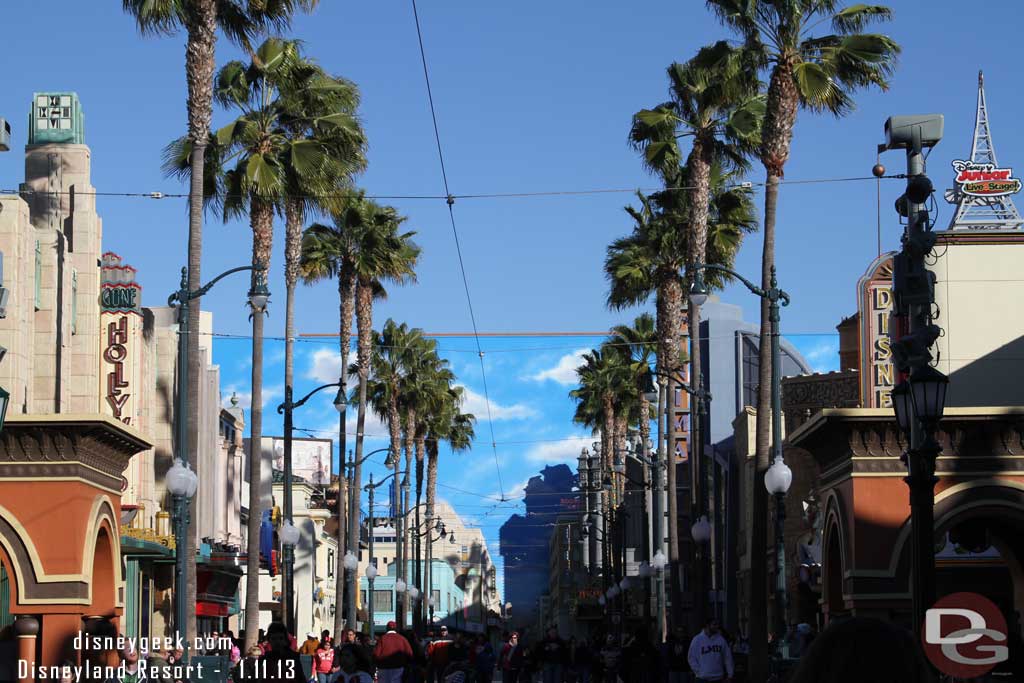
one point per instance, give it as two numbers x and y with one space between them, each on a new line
288 539
778 477
180 480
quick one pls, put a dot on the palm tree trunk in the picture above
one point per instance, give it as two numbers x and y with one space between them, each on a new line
346 299
421 569
339 567
432 452
200 63
346 303
673 300
364 328
405 535
262 218
395 431
780 116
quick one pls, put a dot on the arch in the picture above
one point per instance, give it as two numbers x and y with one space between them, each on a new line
34 586
834 560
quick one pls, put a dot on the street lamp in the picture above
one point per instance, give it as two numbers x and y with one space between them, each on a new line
258 297
354 497
371 570
777 480
701 530
288 409
181 483
775 297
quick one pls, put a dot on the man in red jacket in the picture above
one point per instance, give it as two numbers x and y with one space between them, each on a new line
392 655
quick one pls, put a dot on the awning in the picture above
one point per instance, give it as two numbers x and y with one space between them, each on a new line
211 609
142 548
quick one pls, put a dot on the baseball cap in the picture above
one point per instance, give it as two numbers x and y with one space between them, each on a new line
311 635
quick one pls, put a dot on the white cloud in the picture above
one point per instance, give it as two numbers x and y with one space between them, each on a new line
554 452
324 366
516 492
822 357
564 371
476 404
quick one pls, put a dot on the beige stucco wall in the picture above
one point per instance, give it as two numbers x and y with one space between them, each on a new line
979 294
17 243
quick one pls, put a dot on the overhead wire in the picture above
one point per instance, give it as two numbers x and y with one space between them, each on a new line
159 195
450 200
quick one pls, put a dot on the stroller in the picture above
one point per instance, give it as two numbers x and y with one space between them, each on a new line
460 672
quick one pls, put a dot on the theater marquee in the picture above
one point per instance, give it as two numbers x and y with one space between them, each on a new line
874 304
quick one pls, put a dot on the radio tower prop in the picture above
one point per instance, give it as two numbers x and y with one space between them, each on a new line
982 191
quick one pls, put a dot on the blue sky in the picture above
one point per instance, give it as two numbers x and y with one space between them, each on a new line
531 96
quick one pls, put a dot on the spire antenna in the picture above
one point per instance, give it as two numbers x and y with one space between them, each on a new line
982 190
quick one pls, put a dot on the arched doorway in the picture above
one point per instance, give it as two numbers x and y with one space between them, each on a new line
832 566
980 546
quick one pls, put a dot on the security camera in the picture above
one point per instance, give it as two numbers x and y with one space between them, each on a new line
915 131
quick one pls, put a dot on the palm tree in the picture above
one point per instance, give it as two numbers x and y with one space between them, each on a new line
327 253
269 164
201 19
715 102
313 98
382 255
637 344
649 261
385 393
819 73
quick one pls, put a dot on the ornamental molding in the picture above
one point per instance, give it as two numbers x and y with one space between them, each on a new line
37 444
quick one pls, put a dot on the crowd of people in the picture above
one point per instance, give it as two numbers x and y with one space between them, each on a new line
851 651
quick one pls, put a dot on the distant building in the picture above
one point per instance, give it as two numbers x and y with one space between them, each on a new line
525 540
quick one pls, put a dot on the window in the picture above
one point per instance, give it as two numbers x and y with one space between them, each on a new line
465 550
362 597
436 594
74 302
39 275
330 564
750 371
382 601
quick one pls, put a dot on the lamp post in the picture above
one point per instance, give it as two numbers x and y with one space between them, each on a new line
353 539
777 480
775 297
181 483
288 409
258 297
371 488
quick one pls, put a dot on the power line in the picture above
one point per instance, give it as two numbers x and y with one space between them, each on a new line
458 249
159 195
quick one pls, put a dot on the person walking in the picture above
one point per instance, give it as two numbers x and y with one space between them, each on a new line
483 659
611 656
709 654
551 656
323 661
510 661
311 645
352 665
392 655
281 663
438 656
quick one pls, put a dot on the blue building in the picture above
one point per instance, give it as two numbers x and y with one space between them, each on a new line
524 540
449 598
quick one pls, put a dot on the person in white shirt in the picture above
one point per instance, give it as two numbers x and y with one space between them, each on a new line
709 655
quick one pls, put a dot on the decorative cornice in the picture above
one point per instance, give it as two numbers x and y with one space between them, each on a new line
44 445
867 441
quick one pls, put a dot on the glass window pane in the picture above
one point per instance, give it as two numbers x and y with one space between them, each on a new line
382 601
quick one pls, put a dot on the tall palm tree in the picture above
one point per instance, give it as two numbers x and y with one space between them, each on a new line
637 344
383 255
241 23
647 262
327 254
715 102
314 99
384 390
267 164
818 73
445 422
